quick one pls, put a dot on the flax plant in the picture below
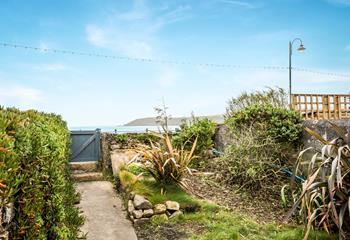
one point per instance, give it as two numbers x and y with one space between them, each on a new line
325 197
166 163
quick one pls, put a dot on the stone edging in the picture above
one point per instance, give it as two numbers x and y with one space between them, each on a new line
140 210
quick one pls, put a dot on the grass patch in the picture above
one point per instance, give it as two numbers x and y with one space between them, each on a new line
156 193
221 224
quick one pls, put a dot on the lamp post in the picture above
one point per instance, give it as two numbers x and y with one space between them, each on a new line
300 49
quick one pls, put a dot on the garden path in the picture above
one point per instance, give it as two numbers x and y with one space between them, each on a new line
103 212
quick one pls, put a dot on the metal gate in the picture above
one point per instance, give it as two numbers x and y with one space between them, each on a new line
85 146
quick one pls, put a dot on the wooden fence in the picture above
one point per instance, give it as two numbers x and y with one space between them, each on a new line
322 106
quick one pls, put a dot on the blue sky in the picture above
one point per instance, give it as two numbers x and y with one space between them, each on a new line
96 91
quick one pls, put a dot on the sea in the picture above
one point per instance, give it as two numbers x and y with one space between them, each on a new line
124 129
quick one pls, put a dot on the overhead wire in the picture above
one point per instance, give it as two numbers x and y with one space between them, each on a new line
164 61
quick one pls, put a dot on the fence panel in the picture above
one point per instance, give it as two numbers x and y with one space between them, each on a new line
322 106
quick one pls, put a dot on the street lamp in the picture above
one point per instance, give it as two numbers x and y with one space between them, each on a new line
301 49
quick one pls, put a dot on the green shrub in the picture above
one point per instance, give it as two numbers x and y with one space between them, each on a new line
282 124
136 168
202 129
277 98
144 138
34 176
121 138
264 136
129 140
252 161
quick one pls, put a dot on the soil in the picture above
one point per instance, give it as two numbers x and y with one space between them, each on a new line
260 206
162 232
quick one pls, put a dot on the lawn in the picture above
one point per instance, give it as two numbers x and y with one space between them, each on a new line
221 224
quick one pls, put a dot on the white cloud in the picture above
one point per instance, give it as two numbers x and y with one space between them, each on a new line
169 77
134 33
96 35
138 12
20 94
130 45
177 14
241 3
154 18
50 67
43 44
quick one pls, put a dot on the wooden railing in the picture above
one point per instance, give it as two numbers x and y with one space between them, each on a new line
322 106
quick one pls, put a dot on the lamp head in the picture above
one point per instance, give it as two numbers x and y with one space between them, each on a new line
301 48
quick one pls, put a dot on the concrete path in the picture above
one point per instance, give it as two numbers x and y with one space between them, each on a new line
105 219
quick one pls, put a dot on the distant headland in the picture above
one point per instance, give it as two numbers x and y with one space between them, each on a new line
176 121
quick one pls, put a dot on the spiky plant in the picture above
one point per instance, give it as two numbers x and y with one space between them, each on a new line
325 197
166 163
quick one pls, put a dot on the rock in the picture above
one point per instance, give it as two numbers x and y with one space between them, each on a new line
209 154
142 203
4 235
176 214
148 213
84 166
115 147
87 176
9 213
141 221
131 207
137 214
6 216
172 205
132 195
159 208
119 158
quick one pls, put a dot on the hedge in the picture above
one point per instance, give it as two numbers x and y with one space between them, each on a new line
34 176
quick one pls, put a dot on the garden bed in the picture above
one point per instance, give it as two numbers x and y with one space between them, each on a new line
218 214
259 207
211 221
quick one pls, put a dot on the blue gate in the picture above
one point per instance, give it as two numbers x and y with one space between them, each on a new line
85 146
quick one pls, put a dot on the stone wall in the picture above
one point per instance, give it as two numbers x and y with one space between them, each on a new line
221 137
324 129
114 155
